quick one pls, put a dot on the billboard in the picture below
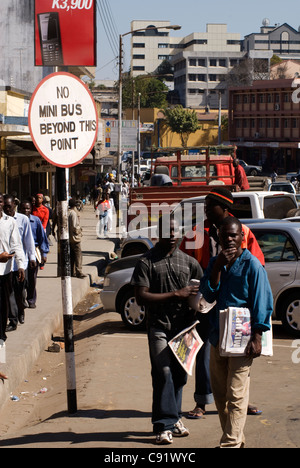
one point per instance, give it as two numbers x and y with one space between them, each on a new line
65 33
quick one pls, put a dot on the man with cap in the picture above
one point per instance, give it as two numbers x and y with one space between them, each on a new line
203 246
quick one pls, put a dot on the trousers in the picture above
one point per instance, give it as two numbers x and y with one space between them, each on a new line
168 380
230 381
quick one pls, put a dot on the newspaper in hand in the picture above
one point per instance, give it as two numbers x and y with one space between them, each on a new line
235 333
185 347
2 352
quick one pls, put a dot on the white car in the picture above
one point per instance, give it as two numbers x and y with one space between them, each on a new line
280 243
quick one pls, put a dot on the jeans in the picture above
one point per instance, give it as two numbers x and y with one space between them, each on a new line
168 380
203 394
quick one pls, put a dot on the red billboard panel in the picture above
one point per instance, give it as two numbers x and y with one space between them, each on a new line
65 33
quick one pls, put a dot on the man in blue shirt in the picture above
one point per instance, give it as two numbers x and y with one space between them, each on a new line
235 278
41 242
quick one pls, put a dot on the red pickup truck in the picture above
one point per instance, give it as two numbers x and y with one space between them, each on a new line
187 170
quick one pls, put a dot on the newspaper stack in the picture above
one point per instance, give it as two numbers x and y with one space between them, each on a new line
235 333
186 346
2 352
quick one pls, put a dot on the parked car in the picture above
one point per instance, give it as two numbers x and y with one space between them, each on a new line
282 187
118 294
280 243
250 169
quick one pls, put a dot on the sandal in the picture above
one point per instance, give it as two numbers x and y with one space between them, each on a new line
253 411
196 413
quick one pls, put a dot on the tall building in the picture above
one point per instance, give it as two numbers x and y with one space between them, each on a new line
201 61
282 40
151 46
202 64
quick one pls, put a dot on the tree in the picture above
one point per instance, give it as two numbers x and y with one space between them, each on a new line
182 121
153 92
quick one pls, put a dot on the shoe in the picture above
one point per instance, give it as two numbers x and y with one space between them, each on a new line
164 438
32 306
10 327
21 319
81 276
180 430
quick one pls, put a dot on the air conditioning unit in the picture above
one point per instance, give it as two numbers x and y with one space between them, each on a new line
277 107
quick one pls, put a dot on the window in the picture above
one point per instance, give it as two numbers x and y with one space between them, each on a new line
138 57
139 45
213 63
242 208
163 46
192 77
197 173
222 63
277 207
201 63
138 68
276 246
193 62
212 77
201 77
163 57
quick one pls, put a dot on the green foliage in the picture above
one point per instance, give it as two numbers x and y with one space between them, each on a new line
153 92
182 121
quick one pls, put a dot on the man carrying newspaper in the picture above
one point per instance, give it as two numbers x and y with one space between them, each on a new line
162 284
235 278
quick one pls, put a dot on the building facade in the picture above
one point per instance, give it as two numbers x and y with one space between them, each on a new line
264 124
283 40
202 64
150 47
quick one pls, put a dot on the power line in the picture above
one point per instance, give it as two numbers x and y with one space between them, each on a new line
108 25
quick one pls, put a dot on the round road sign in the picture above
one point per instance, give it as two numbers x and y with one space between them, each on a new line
63 120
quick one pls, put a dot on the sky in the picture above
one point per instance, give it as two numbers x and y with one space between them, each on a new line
193 15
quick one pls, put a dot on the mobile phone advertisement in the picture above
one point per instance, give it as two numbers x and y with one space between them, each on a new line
65 33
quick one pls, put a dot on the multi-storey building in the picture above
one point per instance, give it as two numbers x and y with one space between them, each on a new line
264 124
151 46
201 61
282 40
202 64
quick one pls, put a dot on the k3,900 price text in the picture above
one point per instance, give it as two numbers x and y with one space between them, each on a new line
72 4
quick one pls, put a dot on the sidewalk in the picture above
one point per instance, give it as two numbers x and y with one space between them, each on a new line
24 345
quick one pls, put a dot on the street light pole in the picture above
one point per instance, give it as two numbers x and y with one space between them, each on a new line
120 122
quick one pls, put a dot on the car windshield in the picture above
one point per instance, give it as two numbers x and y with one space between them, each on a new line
282 187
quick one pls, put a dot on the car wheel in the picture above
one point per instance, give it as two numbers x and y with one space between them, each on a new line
290 314
253 172
133 315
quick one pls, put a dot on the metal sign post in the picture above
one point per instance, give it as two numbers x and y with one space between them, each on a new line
64 268
63 124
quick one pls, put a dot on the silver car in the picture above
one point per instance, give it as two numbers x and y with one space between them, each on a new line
280 243
118 294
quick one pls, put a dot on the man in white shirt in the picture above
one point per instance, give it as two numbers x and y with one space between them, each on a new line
10 243
17 297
